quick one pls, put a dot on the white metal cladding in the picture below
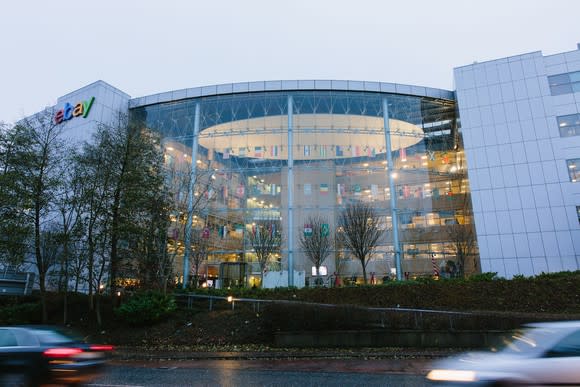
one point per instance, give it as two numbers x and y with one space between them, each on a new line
291 85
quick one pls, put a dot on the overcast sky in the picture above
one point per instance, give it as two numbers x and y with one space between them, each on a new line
50 48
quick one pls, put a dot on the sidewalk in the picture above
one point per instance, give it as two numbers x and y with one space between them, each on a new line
388 360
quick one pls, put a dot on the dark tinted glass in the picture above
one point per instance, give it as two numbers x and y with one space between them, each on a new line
561 89
559 79
569 120
569 125
7 338
573 169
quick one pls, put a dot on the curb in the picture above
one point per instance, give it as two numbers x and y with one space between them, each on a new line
128 354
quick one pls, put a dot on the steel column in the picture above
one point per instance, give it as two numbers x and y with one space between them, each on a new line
289 222
390 172
192 178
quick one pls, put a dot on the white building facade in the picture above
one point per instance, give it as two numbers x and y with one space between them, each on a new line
521 129
102 104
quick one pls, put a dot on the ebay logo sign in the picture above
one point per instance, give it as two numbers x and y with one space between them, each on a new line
80 109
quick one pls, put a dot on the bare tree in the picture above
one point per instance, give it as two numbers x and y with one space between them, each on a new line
78 266
51 250
461 236
317 243
70 232
339 259
359 231
179 177
95 180
265 238
463 240
198 252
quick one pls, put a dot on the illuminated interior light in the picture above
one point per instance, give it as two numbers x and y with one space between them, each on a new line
170 148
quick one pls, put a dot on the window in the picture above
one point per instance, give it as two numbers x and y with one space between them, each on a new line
578 211
564 83
567 347
574 170
569 125
7 338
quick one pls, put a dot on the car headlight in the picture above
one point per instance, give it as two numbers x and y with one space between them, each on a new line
451 375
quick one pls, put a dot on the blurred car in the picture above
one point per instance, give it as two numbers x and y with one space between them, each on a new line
31 356
538 354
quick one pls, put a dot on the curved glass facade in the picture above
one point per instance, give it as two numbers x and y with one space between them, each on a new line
287 155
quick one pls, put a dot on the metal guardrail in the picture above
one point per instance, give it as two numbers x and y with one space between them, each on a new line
232 300
383 318
417 313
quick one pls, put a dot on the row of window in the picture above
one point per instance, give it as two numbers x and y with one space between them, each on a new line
564 83
569 125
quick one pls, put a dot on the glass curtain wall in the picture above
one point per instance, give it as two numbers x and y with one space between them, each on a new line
339 157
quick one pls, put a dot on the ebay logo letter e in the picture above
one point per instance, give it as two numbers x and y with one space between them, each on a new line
81 109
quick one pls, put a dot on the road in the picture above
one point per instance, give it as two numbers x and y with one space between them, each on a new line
302 372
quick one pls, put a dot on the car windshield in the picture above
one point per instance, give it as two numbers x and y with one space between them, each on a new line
528 341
